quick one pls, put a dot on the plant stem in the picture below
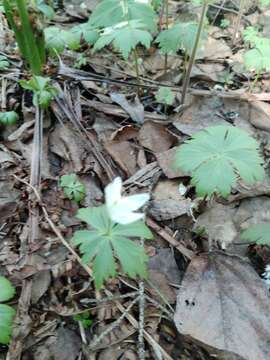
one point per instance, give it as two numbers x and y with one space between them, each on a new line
238 21
135 54
167 27
194 52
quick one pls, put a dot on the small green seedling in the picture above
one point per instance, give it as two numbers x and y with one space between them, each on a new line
4 63
217 157
259 234
7 313
8 118
165 96
84 318
58 39
73 188
43 91
107 241
225 23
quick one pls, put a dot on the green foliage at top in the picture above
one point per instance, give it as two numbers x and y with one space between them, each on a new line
8 118
73 188
264 2
42 89
112 12
165 95
217 157
180 36
124 37
260 234
108 241
7 313
257 58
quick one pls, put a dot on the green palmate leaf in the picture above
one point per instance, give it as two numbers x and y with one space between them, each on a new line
58 39
217 156
111 12
180 36
125 37
108 242
257 233
85 32
165 95
7 313
7 291
258 58
73 188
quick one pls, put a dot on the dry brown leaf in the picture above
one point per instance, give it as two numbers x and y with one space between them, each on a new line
135 109
124 154
155 137
166 161
224 304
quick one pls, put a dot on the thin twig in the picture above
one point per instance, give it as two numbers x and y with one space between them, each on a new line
116 323
141 350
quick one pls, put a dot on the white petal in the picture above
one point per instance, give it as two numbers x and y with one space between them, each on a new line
113 192
131 203
126 218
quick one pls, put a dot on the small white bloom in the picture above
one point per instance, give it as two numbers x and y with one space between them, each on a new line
121 209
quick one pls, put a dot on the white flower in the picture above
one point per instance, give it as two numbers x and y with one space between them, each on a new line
121 209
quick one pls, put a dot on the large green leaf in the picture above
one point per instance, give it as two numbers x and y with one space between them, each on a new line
7 291
217 156
258 58
259 233
125 38
137 229
180 36
7 314
107 243
111 12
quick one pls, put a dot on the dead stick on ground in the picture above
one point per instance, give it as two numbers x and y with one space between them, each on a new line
166 236
151 341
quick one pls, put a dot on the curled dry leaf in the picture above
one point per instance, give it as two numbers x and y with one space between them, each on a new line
224 304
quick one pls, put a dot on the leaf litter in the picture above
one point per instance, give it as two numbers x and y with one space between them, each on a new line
98 128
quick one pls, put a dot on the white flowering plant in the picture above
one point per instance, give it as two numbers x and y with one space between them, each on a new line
107 243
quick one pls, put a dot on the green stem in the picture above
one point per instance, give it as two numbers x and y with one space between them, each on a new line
30 42
194 52
167 27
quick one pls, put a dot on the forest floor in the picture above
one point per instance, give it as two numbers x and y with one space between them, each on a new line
98 128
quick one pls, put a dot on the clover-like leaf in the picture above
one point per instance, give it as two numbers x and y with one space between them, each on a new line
8 118
7 313
73 188
260 234
165 95
108 242
125 37
217 157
